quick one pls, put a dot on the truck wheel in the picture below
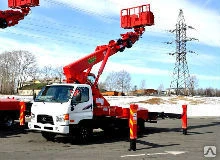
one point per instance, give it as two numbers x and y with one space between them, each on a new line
8 121
48 136
84 134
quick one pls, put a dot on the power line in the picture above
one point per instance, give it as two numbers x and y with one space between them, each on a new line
90 12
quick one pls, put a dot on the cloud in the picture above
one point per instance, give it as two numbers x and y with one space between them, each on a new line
131 68
53 54
208 77
204 59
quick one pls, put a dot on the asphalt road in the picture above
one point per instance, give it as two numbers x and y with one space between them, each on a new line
163 140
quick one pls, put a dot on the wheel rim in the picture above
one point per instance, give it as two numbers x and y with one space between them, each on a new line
8 122
84 133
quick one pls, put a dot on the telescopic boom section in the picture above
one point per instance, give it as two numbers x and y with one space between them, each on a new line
78 71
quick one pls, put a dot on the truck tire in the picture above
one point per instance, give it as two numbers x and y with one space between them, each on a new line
48 136
84 134
8 121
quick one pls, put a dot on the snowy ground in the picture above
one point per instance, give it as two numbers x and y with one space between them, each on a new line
197 106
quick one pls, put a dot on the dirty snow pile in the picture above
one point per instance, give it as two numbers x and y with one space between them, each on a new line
196 106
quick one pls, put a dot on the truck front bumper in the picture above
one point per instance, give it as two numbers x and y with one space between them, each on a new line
60 129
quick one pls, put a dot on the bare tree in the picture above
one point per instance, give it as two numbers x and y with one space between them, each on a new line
102 86
143 86
200 91
110 81
210 92
118 81
160 89
16 67
26 66
123 81
47 73
5 74
217 92
58 73
192 83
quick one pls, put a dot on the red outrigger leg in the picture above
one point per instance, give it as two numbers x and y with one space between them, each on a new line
133 126
184 119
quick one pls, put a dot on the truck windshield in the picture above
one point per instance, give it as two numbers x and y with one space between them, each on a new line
55 93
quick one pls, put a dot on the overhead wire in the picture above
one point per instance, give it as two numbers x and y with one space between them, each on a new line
72 26
58 40
77 31
86 37
71 41
82 10
62 40
69 26
62 35
68 32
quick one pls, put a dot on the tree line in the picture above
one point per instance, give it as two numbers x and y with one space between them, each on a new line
16 67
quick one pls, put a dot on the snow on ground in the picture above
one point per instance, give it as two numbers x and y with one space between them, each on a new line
197 106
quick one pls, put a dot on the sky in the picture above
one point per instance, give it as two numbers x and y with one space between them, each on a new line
59 32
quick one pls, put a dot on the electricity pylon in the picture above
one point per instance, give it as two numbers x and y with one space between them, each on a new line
180 81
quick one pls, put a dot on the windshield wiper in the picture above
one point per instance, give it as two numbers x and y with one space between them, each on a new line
40 100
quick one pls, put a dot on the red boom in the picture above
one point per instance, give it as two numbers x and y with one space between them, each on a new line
77 72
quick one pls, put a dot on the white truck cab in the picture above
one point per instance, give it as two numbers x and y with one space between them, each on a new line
59 106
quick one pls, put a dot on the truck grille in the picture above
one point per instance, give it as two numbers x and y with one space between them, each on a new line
45 119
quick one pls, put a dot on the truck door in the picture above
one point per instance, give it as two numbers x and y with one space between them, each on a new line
81 104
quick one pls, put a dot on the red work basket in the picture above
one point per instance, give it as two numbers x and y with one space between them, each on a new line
22 3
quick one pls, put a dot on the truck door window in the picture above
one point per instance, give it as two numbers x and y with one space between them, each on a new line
84 92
